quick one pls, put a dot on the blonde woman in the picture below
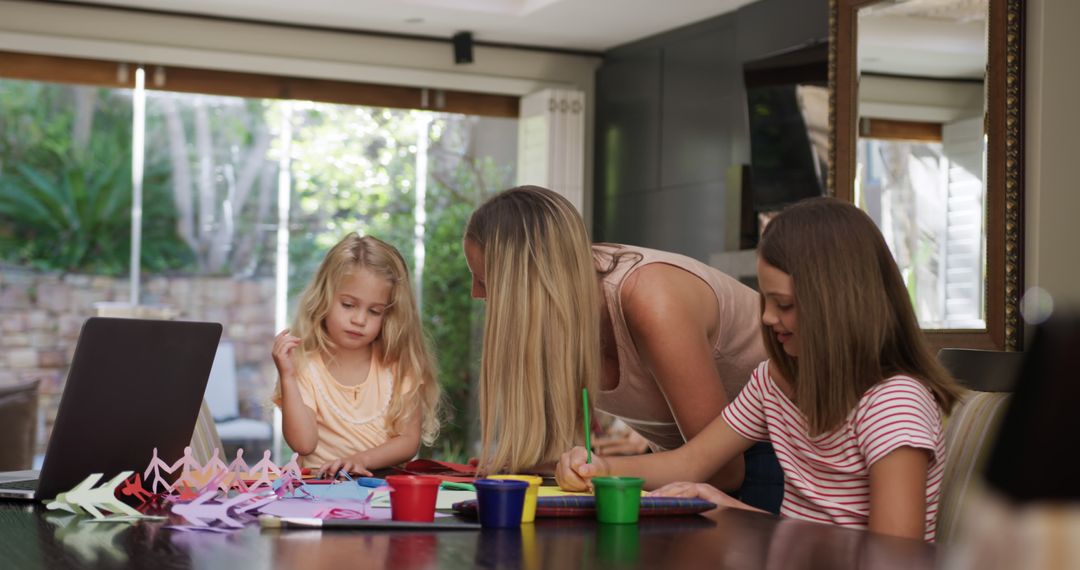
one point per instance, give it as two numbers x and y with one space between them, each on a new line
662 342
355 380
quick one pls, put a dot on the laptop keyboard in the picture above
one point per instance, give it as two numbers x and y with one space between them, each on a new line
27 485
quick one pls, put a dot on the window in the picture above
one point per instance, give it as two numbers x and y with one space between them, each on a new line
922 185
212 188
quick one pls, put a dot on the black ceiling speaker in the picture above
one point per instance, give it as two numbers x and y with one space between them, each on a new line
463 47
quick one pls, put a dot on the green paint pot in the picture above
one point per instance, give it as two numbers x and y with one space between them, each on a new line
618 499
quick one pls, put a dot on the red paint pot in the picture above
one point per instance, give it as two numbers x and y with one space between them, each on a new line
412 497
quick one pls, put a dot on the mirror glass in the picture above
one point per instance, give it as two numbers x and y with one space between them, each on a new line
921 149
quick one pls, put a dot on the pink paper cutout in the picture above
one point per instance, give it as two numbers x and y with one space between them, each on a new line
289 486
157 465
239 468
215 469
188 465
293 467
264 469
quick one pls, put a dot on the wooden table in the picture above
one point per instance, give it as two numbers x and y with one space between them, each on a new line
31 537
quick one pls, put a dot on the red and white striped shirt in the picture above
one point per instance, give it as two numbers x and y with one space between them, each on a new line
827 478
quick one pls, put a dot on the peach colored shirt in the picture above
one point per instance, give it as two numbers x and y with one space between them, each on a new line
349 418
737 349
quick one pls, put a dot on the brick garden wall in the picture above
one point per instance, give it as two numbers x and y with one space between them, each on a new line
41 314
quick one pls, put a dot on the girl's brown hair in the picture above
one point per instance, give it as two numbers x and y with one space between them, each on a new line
541 326
856 325
401 341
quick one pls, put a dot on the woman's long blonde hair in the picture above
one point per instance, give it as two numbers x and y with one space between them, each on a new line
401 342
541 327
856 325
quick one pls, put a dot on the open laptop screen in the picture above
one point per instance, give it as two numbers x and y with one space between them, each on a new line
133 385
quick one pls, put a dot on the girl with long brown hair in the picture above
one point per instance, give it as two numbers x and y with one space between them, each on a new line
851 396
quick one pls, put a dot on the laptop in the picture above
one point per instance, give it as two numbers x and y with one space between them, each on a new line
133 385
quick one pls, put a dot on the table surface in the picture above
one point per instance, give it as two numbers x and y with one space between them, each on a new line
32 537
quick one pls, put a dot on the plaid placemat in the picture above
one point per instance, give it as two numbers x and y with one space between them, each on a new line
585 506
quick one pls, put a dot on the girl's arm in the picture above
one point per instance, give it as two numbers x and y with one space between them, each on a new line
297 419
670 312
397 449
704 491
898 493
699 458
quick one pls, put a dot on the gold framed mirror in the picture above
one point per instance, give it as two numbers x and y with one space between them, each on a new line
926 115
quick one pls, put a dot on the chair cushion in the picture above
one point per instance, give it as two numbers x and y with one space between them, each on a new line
205 438
969 429
18 425
244 429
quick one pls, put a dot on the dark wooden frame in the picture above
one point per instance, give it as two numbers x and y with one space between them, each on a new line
1005 160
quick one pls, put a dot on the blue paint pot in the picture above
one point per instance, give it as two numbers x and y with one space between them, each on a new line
500 502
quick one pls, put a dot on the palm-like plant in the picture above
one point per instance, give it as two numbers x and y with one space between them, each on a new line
74 213
68 216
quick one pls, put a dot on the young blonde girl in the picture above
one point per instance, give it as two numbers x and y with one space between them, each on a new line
355 381
851 396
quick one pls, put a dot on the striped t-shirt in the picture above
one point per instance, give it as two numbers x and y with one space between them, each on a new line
827 478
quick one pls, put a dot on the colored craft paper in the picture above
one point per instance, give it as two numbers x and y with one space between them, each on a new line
446 499
335 491
304 508
557 492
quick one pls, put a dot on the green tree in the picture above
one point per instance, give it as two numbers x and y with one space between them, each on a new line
64 203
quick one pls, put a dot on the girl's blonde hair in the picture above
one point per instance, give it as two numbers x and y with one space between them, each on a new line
856 325
401 341
541 326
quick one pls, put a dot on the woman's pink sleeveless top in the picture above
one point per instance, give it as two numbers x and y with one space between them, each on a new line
738 347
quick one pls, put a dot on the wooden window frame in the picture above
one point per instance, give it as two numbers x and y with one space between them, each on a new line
890 129
58 69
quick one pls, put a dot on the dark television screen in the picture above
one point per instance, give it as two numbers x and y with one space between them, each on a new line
783 165
787 100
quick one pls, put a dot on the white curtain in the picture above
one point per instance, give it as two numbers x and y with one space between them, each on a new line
551 142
